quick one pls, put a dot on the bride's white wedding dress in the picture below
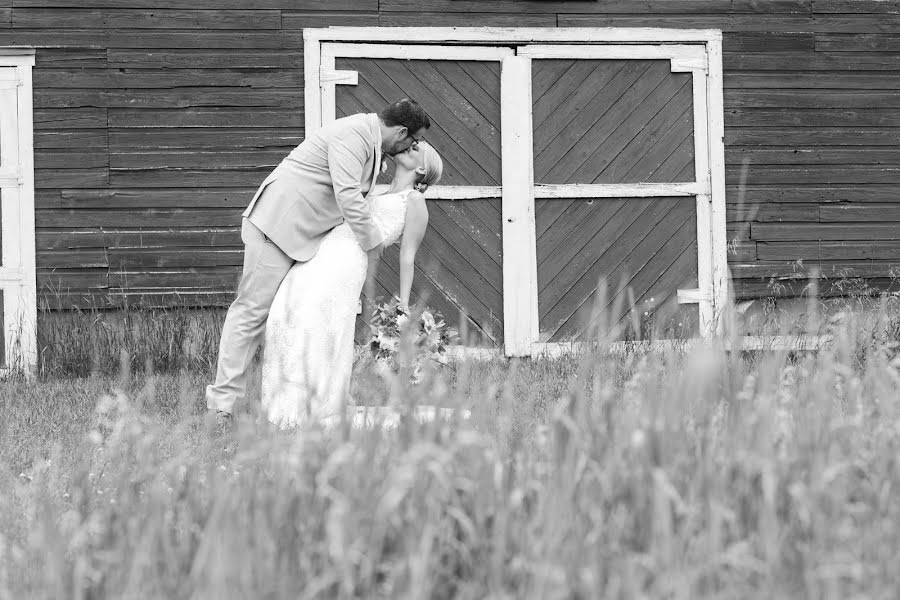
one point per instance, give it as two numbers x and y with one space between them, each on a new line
310 330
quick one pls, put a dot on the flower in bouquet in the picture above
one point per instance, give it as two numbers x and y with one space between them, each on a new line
401 337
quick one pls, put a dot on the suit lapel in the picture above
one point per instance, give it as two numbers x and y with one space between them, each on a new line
376 168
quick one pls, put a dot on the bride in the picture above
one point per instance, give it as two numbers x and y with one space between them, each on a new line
310 330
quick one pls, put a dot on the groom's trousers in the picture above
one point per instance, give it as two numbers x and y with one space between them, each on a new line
265 266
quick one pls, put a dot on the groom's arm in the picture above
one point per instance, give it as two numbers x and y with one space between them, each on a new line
347 156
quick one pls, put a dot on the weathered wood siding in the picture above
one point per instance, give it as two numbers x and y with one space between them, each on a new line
154 124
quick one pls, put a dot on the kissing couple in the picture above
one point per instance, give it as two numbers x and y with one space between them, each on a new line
312 235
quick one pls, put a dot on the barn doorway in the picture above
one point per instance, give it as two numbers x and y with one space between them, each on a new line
18 346
571 156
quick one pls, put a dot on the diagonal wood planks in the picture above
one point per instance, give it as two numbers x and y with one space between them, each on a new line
596 119
648 245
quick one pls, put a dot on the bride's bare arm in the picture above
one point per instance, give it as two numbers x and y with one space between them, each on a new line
413 232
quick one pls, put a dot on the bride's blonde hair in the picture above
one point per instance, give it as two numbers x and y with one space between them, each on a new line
434 166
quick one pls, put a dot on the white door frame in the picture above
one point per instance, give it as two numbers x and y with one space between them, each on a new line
17 270
698 51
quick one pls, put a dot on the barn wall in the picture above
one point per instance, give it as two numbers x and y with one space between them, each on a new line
154 124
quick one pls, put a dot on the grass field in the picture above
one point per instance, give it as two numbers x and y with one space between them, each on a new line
666 474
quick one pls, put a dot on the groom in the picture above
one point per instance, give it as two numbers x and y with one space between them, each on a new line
317 186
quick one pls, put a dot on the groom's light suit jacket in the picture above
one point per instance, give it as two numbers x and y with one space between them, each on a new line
320 184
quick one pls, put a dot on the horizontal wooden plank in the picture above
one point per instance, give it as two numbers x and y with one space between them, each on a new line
82 158
844 213
96 177
856 6
5 17
79 139
746 289
197 159
741 250
737 24
816 61
67 38
297 20
69 58
115 298
134 258
803 270
808 99
226 58
844 250
768 212
184 97
813 80
808 136
812 193
819 117
145 237
212 39
483 19
311 5
138 217
223 137
91 18
66 259
814 156
70 118
768 232
205 117
186 277
661 7
818 174
165 178
50 281
167 78
205 197
755 41
856 42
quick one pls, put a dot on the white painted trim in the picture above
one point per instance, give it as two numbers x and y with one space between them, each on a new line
18 272
416 52
616 190
339 77
555 191
518 35
520 301
716 112
312 104
704 210
690 55
327 91
694 296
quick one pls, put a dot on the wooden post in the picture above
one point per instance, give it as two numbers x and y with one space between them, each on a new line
520 306
716 111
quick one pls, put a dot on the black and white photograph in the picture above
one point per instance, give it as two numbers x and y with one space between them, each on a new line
450 299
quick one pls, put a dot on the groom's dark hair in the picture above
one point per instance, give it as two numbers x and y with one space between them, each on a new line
407 113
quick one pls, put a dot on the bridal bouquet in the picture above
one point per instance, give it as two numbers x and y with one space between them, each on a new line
426 333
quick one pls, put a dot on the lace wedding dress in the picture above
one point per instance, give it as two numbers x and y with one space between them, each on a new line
310 330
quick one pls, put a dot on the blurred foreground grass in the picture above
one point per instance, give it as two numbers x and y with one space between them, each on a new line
699 473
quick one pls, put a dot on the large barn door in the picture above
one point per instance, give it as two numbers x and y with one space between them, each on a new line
459 265
18 348
623 190
572 156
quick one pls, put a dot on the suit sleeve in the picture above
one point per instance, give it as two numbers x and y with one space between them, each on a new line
347 156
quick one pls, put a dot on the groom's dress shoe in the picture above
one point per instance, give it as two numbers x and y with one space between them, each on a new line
224 422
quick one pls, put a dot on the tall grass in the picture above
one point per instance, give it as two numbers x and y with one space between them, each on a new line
703 473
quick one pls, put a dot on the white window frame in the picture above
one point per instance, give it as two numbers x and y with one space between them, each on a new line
18 269
698 51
